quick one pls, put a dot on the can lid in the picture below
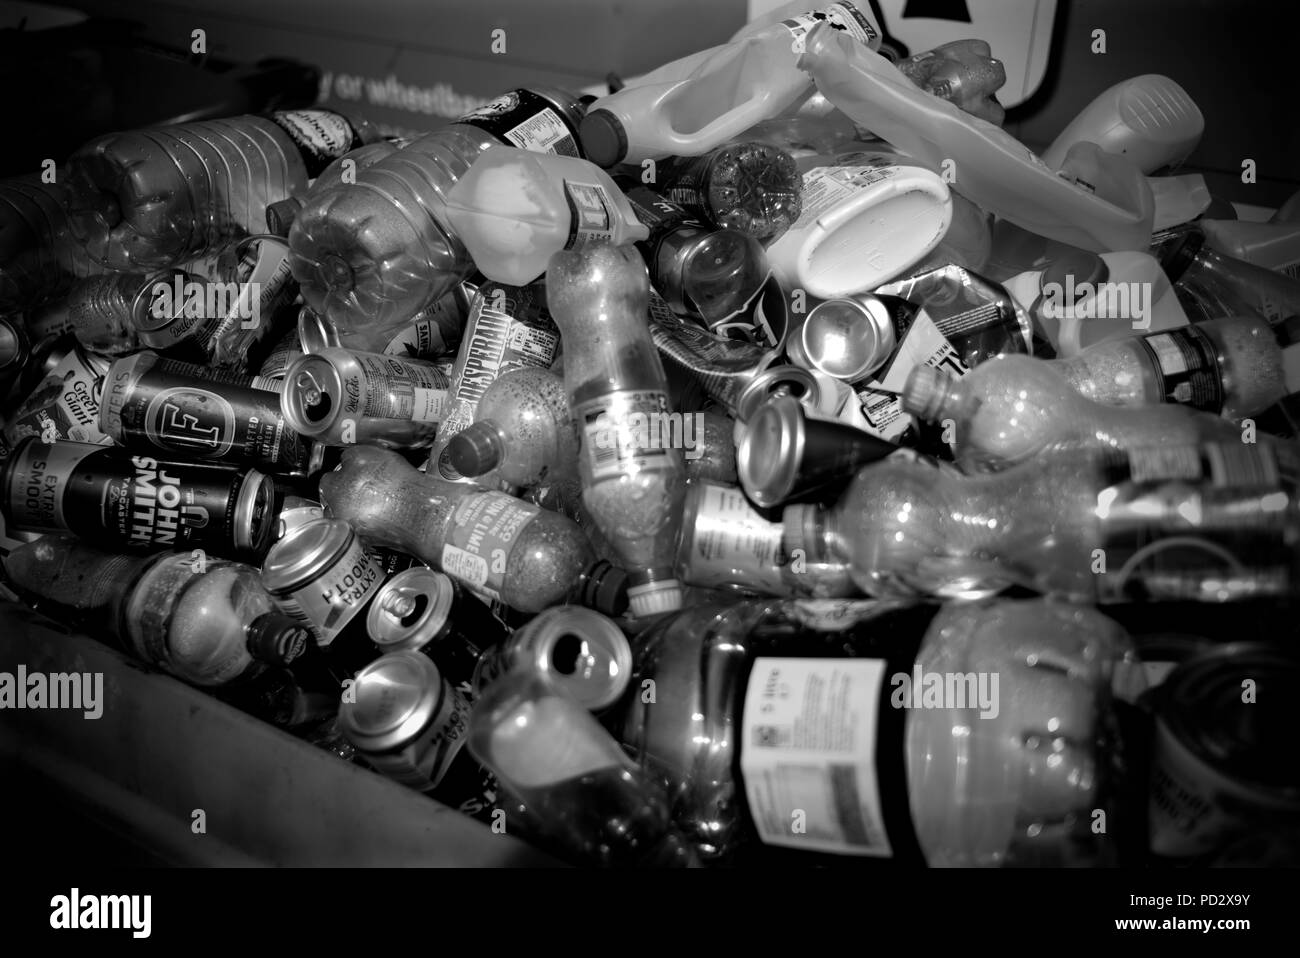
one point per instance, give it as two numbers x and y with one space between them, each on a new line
395 698
603 138
149 325
654 598
311 387
771 450
254 513
304 553
581 651
1201 703
799 383
848 338
410 609
314 332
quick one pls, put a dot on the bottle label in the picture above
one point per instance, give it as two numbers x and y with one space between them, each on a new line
397 389
66 405
331 599
625 433
485 526
1187 367
320 135
808 754
1200 523
422 338
591 214
732 545
526 120
921 344
842 16
826 187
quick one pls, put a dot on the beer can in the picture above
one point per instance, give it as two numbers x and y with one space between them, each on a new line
340 398
170 408
847 338
777 381
425 611
65 403
295 512
322 575
405 720
580 650
108 495
1223 757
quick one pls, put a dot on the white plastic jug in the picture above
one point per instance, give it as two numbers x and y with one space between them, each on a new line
1271 245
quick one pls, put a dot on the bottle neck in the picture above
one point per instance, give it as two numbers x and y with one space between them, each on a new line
276 639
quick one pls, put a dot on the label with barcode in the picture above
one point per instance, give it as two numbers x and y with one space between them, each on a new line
808 754
544 132
1187 367
396 389
627 432
591 216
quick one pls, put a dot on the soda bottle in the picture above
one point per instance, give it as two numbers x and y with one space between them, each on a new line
860 733
1013 407
204 620
148 198
490 541
693 105
1210 284
753 188
591 801
377 251
523 431
1231 367
631 467
1208 523
513 209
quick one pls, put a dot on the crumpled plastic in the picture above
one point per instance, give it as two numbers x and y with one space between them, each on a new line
962 72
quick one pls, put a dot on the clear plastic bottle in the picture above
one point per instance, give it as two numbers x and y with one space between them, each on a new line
39 257
822 713
1210 284
377 251
591 802
631 465
512 209
1208 523
492 542
1231 366
148 198
1013 407
522 430
691 106
753 188
201 619
1275 246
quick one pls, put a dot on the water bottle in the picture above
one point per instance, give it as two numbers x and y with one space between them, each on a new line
39 257
377 251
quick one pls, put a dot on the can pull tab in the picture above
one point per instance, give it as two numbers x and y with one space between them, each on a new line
314 398
400 603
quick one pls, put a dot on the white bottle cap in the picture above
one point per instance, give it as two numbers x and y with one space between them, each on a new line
654 598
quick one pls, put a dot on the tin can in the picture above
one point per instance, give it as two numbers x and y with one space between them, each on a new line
295 512
425 611
405 720
847 338
110 496
340 398
1223 759
65 404
322 575
777 381
580 650
170 408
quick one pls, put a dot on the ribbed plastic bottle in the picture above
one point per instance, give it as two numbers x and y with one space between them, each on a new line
149 198
39 257
377 251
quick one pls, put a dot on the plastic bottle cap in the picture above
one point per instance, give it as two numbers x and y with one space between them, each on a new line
654 598
603 138
603 587
1077 266
280 215
475 450
924 392
277 638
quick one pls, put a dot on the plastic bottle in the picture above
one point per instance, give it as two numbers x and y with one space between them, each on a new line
1149 118
689 107
1231 366
512 209
865 218
1274 246
498 545
99 310
148 198
631 467
1210 284
824 712
993 169
39 257
962 72
201 619
281 214
1013 407
377 251
1081 298
1209 523
591 801
751 187
522 430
